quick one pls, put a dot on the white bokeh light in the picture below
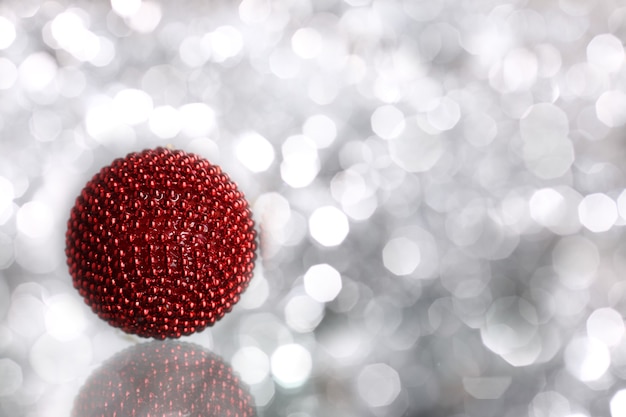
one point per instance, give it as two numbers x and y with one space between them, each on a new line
606 52
64 317
519 69
106 53
618 404
193 51
378 384
37 71
38 254
611 108
70 32
479 128
356 195
556 209
584 80
291 365
329 226
133 106
35 220
416 150
306 43
276 216
197 119
606 325
545 206
321 128
60 361
621 205
549 60
255 152
598 212
252 364
510 330
284 63
445 115
125 8
401 256
322 282
548 403
388 121
165 122
147 18
104 124
303 314
587 359
7 33
254 11
300 163
225 42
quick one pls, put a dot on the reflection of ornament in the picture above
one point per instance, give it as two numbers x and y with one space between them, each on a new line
164 379
161 243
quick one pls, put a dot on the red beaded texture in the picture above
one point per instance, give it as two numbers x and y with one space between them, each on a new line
161 243
164 379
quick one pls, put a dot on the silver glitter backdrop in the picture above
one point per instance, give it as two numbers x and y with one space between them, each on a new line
439 186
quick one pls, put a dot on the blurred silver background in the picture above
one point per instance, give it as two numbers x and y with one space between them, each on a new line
439 186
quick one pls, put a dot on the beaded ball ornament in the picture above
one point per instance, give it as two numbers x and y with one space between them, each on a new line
164 379
161 243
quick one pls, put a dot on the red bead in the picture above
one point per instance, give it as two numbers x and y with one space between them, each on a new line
161 243
164 379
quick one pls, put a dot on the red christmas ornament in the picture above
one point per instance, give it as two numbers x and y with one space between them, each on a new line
161 243
164 379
